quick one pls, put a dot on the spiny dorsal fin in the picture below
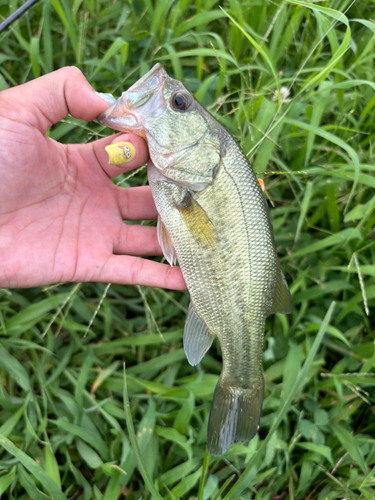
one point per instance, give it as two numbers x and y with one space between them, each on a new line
197 338
166 243
282 302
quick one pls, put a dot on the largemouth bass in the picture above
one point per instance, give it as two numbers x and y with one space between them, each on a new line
213 219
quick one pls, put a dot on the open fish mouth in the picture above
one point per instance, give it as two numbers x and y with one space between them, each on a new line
121 114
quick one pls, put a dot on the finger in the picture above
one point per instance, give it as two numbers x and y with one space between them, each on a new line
137 240
50 98
136 203
126 270
140 153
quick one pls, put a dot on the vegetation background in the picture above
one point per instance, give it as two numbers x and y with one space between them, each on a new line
294 83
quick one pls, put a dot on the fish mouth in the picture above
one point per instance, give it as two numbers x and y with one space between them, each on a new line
119 117
123 115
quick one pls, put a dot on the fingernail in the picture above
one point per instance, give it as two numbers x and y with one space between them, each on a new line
108 98
120 152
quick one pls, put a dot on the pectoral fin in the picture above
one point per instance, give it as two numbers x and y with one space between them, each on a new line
282 302
197 338
166 243
197 221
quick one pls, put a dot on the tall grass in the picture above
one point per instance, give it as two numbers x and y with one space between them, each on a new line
294 83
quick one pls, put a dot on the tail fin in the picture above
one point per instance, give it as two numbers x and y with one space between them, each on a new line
234 416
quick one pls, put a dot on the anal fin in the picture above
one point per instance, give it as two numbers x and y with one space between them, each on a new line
166 243
282 302
197 338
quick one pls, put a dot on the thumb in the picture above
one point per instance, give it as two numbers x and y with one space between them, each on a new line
50 98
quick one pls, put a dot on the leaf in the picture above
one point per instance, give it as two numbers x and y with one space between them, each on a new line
321 449
158 363
28 317
83 378
263 51
306 428
331 138
186 484
366 22
197 20
14 369
184 415
349 443
89 455
331 330
46 37
135 341
321 417
103 375
360 211
291 369
112 490
6 481
118 44
3 83
304 208
335 14
129 423
200 52
206 84
62 364
52 466
259 127
317 113
35 469
159 15
68 23
173 435
86 435
340 238
176 473
28 483
34 56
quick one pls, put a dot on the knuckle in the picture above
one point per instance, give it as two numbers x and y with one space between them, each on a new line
72 72
136 271
168 276
156 245
124 202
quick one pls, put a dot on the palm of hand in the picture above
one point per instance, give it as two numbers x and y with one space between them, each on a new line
61 217
48 225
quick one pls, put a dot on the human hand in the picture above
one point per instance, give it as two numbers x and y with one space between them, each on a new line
61 217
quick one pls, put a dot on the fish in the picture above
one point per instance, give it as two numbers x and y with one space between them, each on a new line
213 219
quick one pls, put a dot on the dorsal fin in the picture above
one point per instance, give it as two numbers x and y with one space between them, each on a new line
282 302
197 338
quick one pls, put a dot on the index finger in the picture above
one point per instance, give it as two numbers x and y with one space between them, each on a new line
50 98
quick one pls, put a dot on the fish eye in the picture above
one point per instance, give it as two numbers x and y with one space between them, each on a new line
180 101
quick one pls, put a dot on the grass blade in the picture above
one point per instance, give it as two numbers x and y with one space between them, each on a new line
129 423
35 469
349 443
262 50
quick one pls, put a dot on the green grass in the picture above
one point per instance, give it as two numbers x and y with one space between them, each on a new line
64 416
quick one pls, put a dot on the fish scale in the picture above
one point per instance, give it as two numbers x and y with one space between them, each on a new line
213 218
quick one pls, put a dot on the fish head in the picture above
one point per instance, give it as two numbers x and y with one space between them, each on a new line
180 133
